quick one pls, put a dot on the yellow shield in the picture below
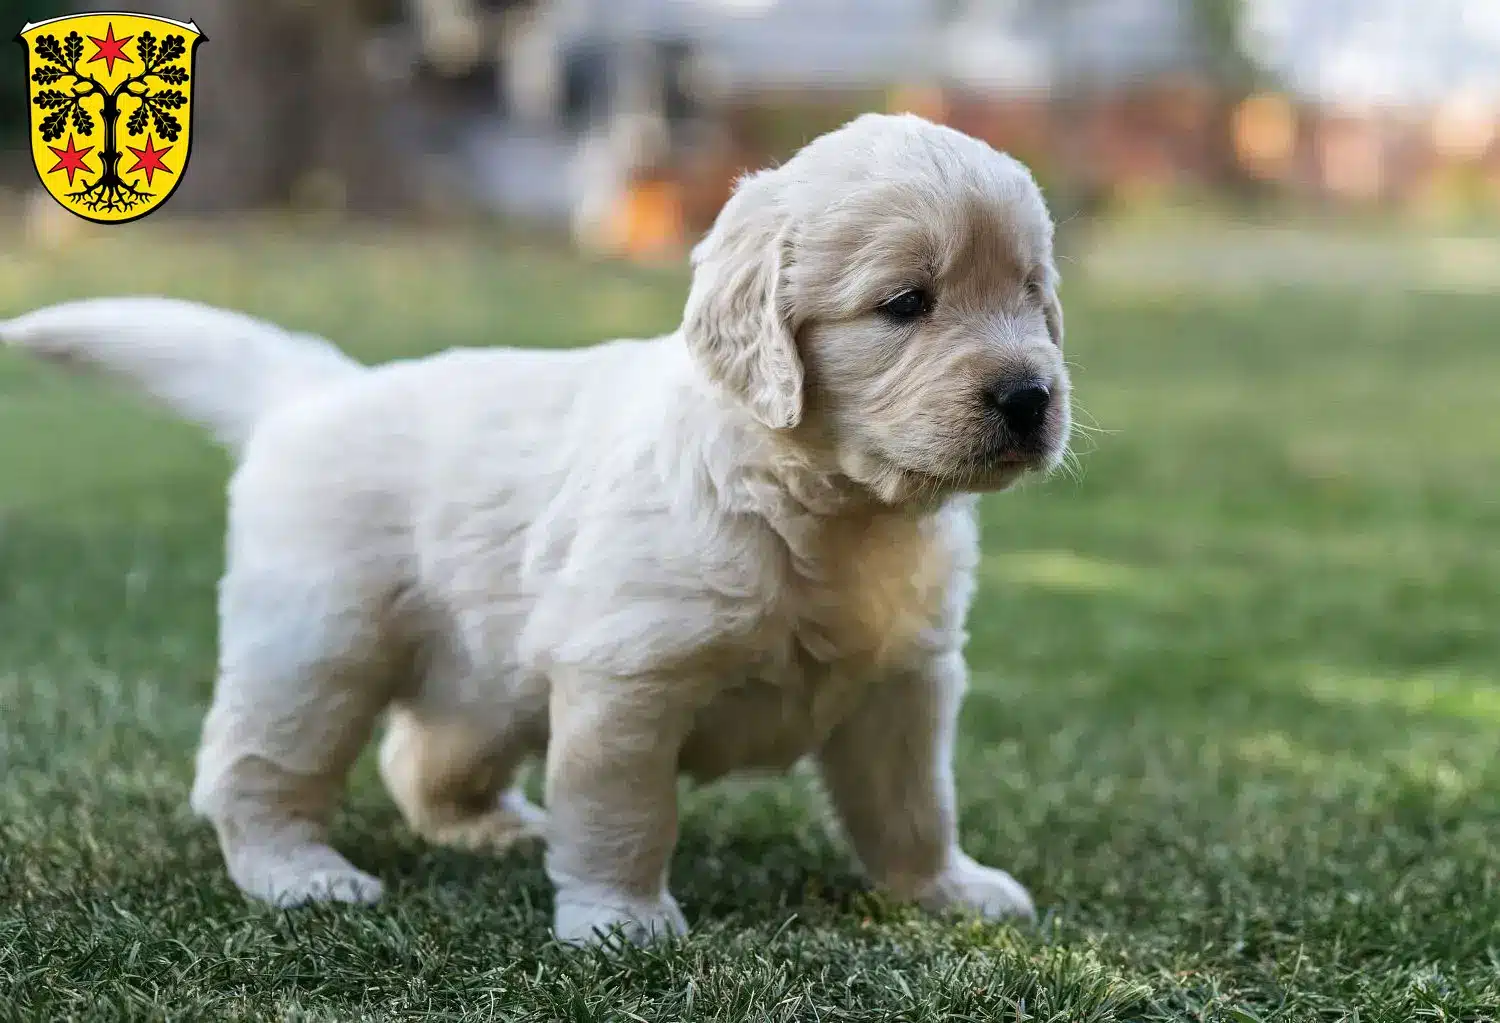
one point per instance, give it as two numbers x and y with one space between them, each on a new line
111 100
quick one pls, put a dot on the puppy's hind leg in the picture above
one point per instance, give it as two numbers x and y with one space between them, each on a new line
453 780
303 675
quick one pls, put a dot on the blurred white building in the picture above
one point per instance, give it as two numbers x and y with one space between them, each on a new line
1380 52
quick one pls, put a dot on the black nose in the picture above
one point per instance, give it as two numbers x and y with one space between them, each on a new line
1023 406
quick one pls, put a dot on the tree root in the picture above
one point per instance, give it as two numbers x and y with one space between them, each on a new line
110 194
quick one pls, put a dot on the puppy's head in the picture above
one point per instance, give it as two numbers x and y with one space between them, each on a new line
888 298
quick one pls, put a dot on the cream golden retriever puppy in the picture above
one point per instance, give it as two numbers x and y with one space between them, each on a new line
745 543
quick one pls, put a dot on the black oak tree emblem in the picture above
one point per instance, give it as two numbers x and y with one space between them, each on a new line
155 89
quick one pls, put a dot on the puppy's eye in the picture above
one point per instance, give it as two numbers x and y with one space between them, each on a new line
908 305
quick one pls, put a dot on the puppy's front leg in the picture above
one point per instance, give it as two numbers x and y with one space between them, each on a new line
612 808
889 772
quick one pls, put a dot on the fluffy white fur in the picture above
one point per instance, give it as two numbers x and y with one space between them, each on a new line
745 543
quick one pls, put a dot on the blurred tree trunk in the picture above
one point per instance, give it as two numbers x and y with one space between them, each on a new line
287 106
1217 27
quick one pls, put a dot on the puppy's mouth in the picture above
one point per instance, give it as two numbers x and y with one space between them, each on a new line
984 475
1001 461
1000 472
993 460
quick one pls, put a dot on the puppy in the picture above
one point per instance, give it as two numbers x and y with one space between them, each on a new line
742 544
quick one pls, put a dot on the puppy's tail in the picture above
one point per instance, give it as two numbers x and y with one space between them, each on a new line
214 367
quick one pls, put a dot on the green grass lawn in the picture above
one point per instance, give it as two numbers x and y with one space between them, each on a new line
1235 715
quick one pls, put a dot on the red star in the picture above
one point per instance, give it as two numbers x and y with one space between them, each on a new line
149 160
71 159
110 49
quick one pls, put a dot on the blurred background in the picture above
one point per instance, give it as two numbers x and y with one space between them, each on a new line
622 123
1236 701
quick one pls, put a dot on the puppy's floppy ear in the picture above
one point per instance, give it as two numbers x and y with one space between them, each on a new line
735 323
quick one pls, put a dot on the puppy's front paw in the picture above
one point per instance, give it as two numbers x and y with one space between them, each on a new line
300 876
972 887
329 886
605 919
